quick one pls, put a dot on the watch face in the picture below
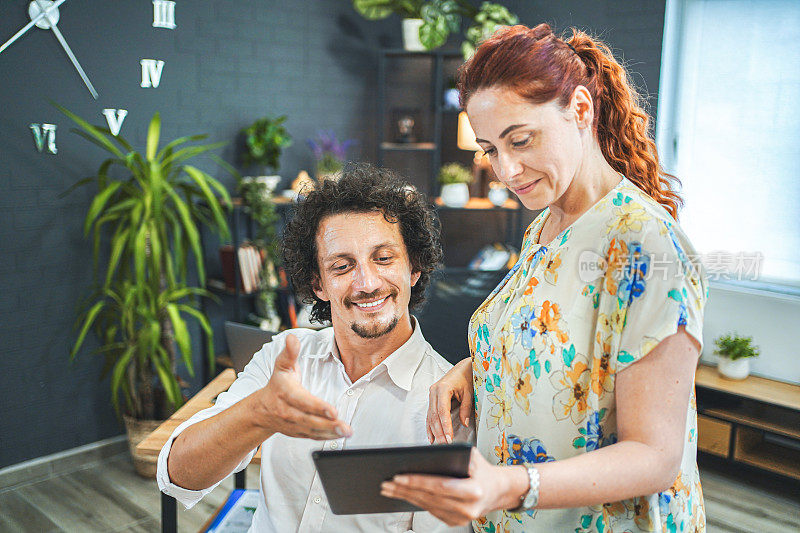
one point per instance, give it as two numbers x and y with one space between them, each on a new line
115 72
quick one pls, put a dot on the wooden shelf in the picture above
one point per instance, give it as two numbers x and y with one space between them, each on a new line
761 415
409 147
480 204
277 200
753 387
751 448
787 424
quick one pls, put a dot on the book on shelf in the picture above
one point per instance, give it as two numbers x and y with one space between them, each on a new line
249 259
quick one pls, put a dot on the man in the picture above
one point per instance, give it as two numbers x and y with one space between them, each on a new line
362 250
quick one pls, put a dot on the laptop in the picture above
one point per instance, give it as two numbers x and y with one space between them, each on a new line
243 342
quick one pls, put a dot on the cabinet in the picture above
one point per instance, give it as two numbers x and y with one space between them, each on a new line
755 421
413 84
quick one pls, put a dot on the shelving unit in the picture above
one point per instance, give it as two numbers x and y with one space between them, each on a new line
417 79
755 421
234 303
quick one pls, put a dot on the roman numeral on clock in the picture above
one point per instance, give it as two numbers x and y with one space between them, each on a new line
115 118
164 14
42 132
151 72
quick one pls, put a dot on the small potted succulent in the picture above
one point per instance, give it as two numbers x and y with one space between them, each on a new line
454 178
734 354
329 153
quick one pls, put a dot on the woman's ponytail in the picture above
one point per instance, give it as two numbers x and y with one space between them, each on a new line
622 125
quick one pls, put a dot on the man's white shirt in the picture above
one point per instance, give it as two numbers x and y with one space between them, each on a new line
387 406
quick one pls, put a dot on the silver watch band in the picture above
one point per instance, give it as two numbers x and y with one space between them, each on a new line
531 498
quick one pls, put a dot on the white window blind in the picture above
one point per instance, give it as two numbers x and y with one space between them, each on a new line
732 129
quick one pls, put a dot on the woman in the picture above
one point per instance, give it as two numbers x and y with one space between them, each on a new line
583 358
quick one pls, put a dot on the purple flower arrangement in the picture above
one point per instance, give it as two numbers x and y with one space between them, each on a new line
329 152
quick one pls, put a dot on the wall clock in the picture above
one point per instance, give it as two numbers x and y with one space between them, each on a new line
45 15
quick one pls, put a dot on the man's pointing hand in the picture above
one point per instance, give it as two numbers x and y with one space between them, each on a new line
292 410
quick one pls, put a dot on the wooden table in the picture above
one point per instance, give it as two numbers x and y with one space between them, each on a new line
151 446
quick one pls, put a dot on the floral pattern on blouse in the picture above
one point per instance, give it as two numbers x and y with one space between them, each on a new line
549 341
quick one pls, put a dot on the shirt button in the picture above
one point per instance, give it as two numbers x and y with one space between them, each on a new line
350 392
334 445
317 499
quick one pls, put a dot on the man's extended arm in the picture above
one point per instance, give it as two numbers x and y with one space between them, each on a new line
206 452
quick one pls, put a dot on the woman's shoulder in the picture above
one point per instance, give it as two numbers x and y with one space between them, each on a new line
630 214
636 223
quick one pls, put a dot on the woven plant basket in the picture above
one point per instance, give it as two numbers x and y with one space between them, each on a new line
138 430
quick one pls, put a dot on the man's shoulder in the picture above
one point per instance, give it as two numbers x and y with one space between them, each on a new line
433 363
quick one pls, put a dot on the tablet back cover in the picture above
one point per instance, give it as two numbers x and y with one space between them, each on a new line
352 478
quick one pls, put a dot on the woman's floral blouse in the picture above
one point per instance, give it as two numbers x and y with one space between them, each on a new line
548 343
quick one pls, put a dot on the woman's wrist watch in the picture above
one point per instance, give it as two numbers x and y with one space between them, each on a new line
530 499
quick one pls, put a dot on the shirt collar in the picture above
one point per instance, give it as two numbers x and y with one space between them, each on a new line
403 362
400 365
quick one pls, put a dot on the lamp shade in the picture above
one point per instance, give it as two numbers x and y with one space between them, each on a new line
466 137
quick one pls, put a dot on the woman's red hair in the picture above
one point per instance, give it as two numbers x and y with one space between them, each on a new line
541 67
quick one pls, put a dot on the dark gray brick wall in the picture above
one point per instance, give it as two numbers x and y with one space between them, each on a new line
227 63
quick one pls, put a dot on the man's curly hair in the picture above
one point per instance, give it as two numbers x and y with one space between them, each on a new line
361 188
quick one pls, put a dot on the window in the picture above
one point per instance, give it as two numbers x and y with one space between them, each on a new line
729 128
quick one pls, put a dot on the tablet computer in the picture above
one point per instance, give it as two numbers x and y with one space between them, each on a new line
352 477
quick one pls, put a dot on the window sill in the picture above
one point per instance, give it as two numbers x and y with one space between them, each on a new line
758 288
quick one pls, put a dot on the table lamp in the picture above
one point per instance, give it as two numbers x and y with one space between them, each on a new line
480 163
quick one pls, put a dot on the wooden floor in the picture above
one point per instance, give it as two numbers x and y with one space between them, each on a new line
109 497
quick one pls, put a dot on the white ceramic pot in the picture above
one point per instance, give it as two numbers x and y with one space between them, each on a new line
498 196
738 369
411 40
455 194
270 182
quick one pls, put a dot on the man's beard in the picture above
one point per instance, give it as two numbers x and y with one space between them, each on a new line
377 328
373 331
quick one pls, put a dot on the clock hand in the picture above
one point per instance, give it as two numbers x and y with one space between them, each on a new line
67 49
29 25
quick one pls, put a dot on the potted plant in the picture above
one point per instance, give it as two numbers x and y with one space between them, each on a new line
264 140
144 222
329 154
454 178
428 24
734 354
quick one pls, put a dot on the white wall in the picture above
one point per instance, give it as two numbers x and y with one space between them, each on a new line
773 320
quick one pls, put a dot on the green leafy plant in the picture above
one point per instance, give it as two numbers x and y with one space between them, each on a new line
264 140
454 173
486 20
380 9
147 224
735 347
440 18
